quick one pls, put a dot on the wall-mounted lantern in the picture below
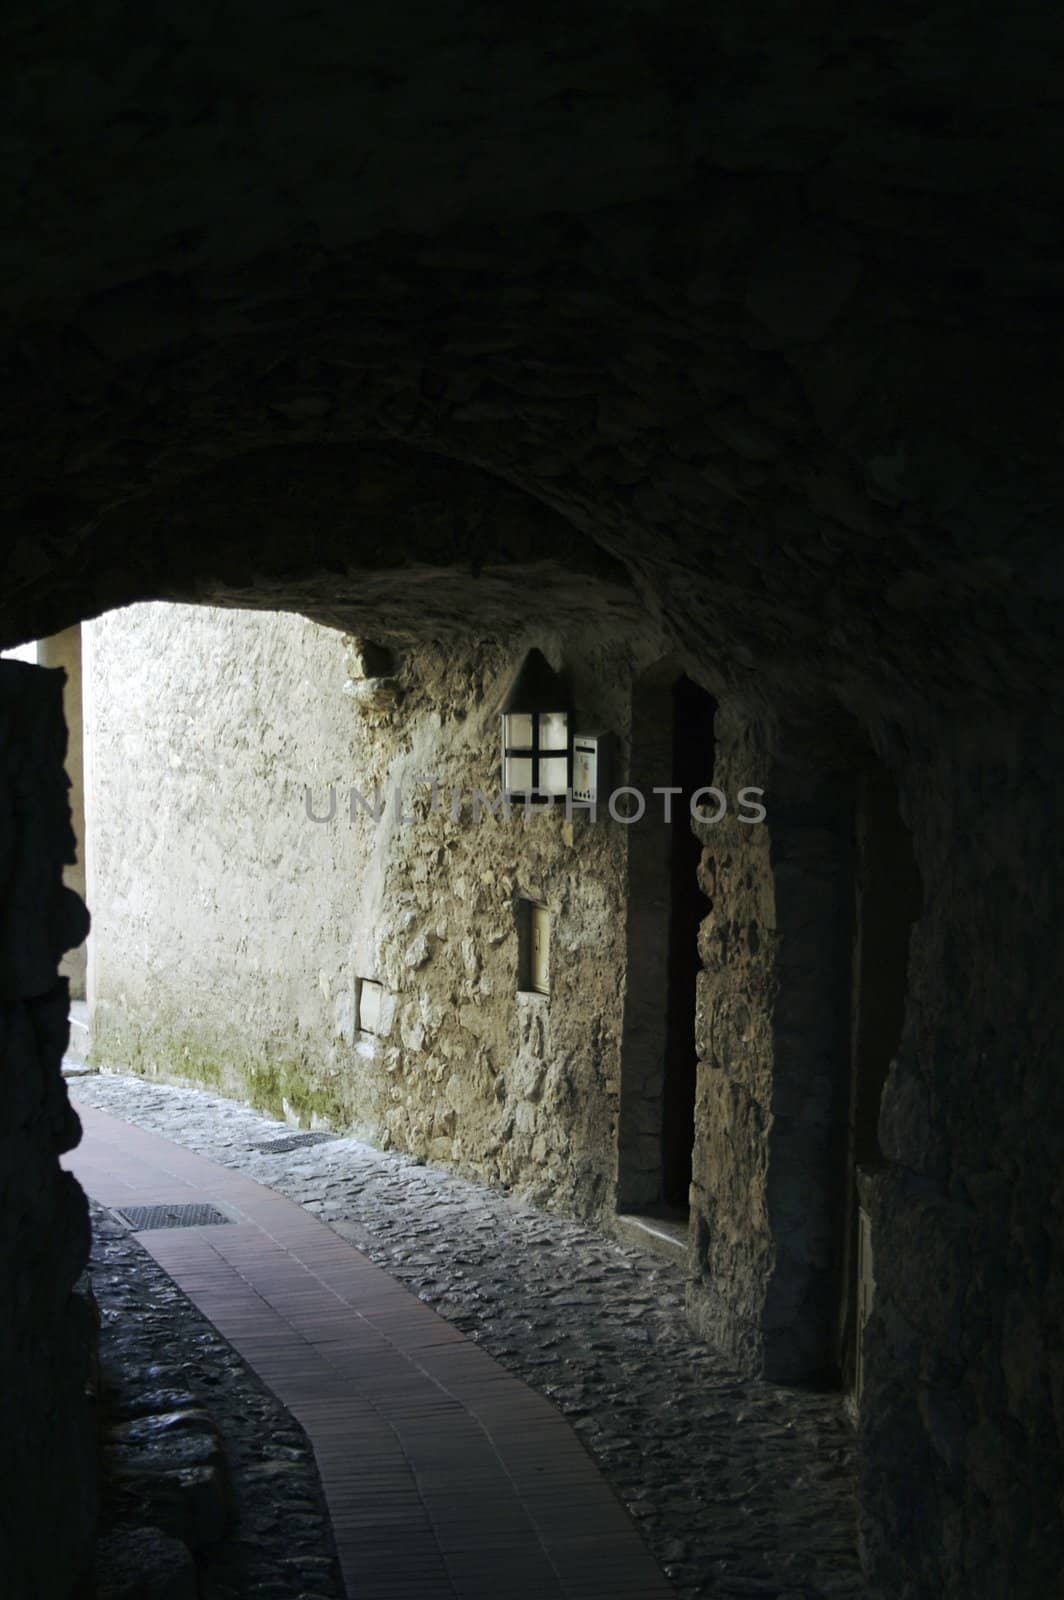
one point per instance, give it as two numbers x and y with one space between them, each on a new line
536 731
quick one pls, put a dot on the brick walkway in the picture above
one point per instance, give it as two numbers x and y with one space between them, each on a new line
445 1476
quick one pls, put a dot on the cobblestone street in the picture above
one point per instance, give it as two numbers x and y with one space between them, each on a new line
158 1353
741 1488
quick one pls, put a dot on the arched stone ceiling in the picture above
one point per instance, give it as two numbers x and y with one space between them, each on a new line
747 318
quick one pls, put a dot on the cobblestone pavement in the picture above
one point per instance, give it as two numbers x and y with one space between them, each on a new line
155 1343
741 1488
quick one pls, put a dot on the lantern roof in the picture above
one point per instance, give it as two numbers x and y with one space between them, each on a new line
538 687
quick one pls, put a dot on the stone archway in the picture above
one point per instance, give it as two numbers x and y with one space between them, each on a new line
757 318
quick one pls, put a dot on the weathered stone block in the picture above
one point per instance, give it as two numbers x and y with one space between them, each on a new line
144 1564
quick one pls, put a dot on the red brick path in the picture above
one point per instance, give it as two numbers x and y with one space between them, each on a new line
445 1476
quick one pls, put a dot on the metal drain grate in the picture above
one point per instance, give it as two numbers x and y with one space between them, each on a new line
293 1141
141 1218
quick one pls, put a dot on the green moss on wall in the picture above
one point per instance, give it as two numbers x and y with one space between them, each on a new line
287 1088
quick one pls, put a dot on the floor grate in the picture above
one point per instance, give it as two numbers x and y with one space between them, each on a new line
293 1141
141 1218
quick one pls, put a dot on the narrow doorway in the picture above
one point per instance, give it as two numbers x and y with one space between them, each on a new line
887 900
692 768
672 745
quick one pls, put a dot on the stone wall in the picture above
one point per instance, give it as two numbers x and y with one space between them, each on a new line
963 1413
729 1219
47 1504
772 1035
64 650
230 928
961 1416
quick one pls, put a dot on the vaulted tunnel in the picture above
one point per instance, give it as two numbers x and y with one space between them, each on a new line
728 339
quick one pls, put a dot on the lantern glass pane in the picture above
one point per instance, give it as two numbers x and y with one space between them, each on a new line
517 730
518 774
554 731
553 775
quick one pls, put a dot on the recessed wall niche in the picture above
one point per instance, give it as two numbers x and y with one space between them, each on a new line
533 948
367 1005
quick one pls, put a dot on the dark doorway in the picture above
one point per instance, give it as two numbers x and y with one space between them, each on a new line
692 769
672 744
887 900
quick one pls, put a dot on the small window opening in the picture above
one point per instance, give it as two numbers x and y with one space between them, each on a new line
367 1005
533 932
